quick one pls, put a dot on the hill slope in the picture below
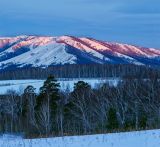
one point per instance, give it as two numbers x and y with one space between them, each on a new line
37 51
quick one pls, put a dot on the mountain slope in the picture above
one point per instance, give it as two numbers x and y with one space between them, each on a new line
40 51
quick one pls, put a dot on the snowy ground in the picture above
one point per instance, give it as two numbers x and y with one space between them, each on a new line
132 139
20 85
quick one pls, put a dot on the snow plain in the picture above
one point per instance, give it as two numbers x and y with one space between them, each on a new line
149 138
20 85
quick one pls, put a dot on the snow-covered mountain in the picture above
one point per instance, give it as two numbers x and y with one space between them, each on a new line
38 51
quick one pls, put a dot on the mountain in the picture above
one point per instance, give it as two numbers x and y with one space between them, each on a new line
39 51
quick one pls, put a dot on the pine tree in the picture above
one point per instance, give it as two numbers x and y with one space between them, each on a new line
47 104
81 87
49 91
143 122
28 109
112 119
80 98
28 96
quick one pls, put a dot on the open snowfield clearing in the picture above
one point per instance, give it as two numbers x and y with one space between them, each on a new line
20 85
129 139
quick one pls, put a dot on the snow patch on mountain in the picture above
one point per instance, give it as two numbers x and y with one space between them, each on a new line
43 56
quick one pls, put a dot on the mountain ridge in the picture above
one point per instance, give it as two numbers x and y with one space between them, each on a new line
43 51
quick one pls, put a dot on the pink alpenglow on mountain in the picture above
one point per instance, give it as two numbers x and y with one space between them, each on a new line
39 51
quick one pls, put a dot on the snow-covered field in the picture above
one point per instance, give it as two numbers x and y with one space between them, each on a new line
130 139
20 85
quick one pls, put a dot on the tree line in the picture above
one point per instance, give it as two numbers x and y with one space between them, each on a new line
132 105
80 71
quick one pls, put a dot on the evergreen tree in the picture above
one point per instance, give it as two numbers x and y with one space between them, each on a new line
112 119
49 91
28 108
81 87
79 105
143 122
47 104
29 96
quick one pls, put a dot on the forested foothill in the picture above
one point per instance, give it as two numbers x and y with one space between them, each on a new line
81 71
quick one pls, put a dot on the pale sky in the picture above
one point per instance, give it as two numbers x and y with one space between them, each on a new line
127 21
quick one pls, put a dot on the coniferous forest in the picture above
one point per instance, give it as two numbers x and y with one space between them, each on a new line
81 71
